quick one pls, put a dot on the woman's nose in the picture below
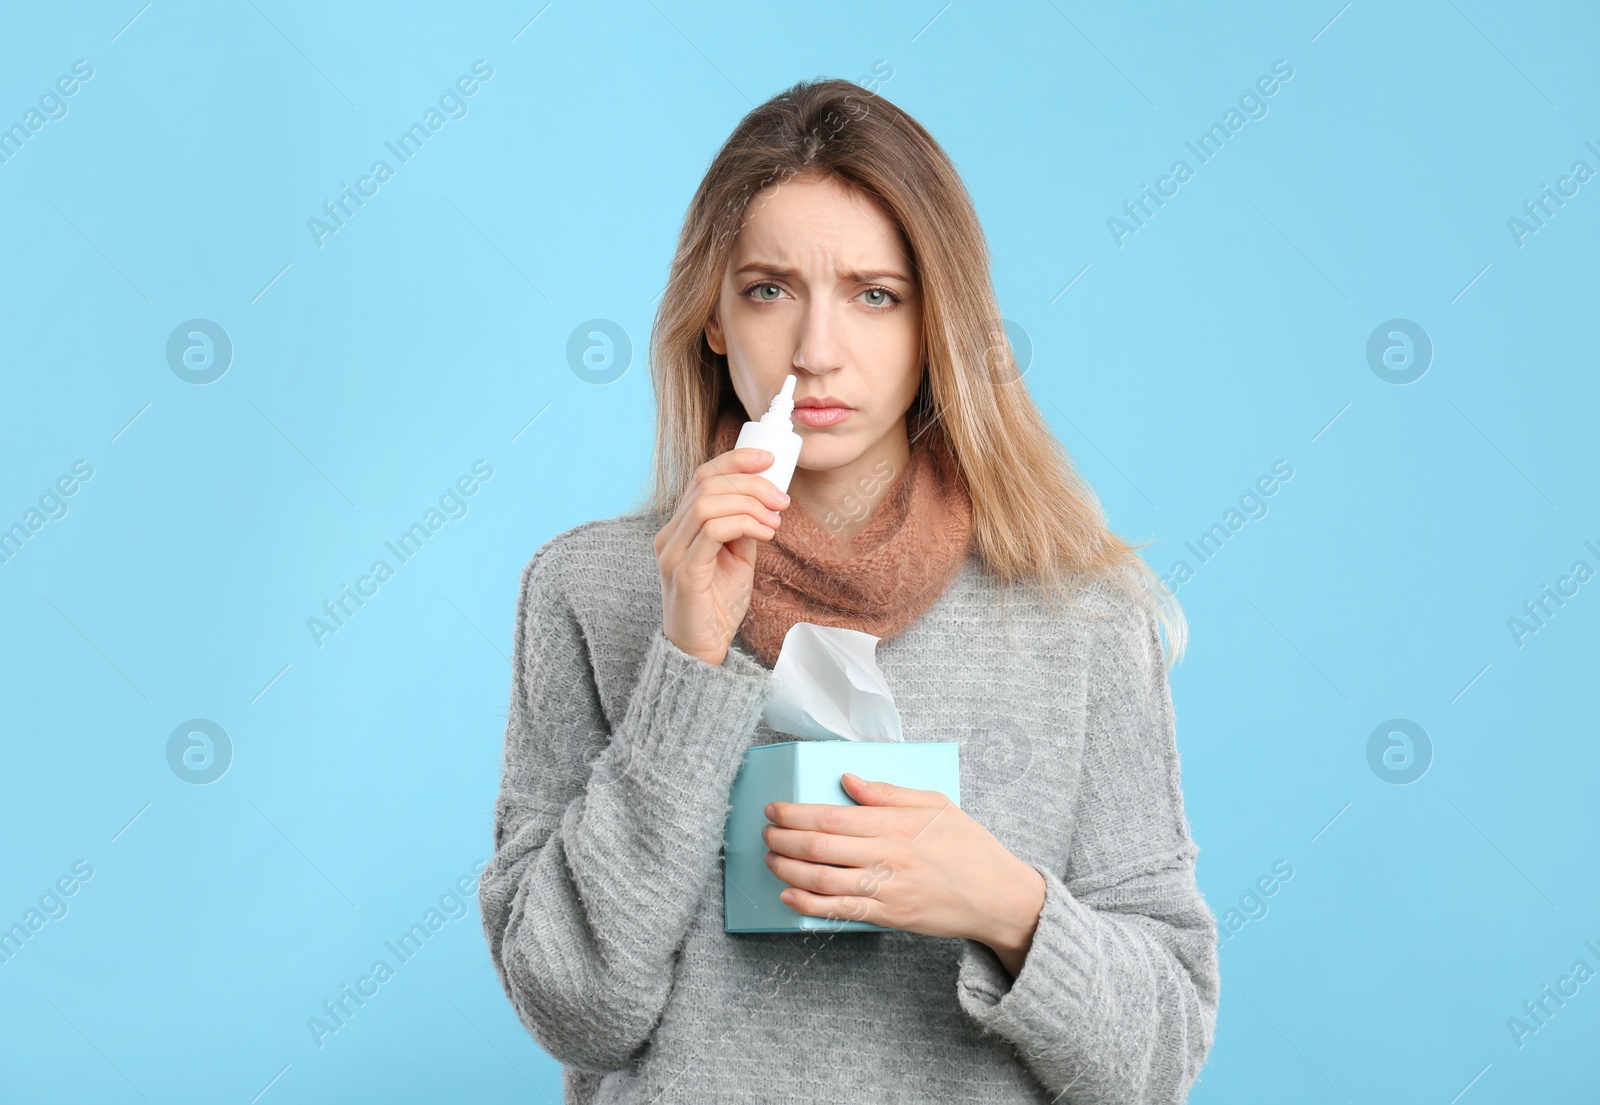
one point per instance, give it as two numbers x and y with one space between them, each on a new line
818 346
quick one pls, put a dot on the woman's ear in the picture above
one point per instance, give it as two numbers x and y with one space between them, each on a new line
714 335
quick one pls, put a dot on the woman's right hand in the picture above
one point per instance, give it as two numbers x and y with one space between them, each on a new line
707 551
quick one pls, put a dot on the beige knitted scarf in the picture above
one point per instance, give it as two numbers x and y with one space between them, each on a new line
878 580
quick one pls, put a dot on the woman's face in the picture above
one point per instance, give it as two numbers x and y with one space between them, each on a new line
819 283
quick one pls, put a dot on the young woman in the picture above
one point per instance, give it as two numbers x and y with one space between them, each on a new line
1046 940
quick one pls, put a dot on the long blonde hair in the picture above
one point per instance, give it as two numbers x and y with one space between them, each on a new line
1035 521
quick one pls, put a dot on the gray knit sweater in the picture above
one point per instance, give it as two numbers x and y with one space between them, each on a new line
602 903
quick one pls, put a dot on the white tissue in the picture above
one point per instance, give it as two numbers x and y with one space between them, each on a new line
827 685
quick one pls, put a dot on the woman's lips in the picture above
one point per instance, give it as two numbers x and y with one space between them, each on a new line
820 416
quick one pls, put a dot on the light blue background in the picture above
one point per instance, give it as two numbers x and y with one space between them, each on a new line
431 332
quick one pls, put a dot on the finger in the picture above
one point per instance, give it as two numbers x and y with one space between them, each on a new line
827 817
731 502
765 500
844 907
707 507
814 847
733 462
717 532
720 495
744 548
821 878
875 792
748 483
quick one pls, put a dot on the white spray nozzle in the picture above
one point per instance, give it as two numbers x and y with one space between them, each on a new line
782 405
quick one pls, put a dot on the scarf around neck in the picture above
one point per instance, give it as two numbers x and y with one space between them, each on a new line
880 579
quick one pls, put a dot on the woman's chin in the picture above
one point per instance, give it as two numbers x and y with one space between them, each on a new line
832 455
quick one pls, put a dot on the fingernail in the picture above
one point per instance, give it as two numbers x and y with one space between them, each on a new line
767 813
783 497
852 778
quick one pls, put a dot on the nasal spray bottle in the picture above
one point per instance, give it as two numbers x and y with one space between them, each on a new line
775 433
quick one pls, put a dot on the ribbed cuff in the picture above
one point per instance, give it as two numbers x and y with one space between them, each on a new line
689 720
1060 981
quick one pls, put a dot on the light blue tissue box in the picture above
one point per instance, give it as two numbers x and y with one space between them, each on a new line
808 771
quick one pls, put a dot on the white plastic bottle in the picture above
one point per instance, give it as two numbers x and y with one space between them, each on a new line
775 433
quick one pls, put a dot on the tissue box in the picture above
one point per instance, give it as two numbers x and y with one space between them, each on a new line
808 771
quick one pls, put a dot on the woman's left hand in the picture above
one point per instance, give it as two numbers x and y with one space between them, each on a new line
906 859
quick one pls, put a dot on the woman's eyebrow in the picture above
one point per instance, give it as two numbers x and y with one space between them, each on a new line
767 268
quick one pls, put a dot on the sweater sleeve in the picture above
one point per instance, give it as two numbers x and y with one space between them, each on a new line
1117 997
605 839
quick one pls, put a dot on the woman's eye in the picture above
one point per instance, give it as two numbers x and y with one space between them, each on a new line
880 299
